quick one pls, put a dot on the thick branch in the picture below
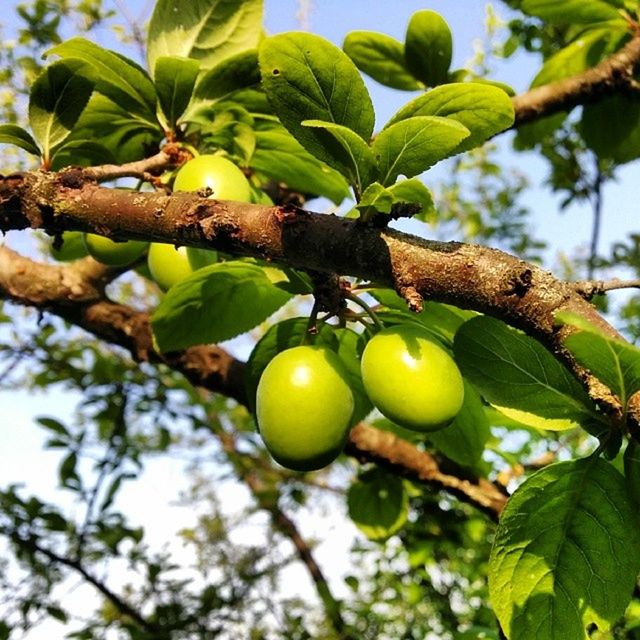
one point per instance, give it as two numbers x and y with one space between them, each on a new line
468 276
613 75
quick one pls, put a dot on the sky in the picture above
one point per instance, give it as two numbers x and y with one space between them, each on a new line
21 442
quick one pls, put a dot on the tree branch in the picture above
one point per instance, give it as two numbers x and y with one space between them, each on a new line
589 288
612 75
469 276
122 605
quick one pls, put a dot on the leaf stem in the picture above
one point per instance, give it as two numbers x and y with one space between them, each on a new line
369 310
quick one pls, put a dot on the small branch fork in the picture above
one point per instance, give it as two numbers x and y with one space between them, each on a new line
590 288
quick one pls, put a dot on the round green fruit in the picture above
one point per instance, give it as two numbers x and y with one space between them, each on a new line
168 265
224 179
72 248
115 254
412 380
304 407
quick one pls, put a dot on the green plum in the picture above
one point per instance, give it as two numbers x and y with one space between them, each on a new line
168 265
304 407
412 380
72 248
115 254
223 177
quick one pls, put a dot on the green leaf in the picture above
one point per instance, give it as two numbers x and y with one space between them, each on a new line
80 153
13 134
67 472
281 336
352 157
411 146
483 109
589 48
175 79
57 99
614 362
236 72
611 128
53 425
306 77
206 30
463 441
403 194
517 374
378 504
376 198
115 76
128 138
413 191
216 303
428 47
381 57
632 471
571 11
279 156
566 553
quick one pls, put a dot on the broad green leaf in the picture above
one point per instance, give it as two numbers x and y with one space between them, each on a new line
53 425
13 134
306 77
570 11
352 156
80 153
463 441
566 553
632 471
381 57
283 335
175 79
378 504
207 30
483 109
236 72
115 76
279 156
428 47
216 303
614 362
513 371
411 146
128 138
611 128
517 419
57 99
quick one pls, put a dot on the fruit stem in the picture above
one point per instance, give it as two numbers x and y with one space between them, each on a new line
312 324
370 312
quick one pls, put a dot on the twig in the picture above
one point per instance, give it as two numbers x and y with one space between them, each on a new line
589 288
121 604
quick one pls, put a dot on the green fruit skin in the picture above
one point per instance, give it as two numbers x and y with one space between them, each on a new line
73 247
224 179
115 254
304 406
168 265
412 381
